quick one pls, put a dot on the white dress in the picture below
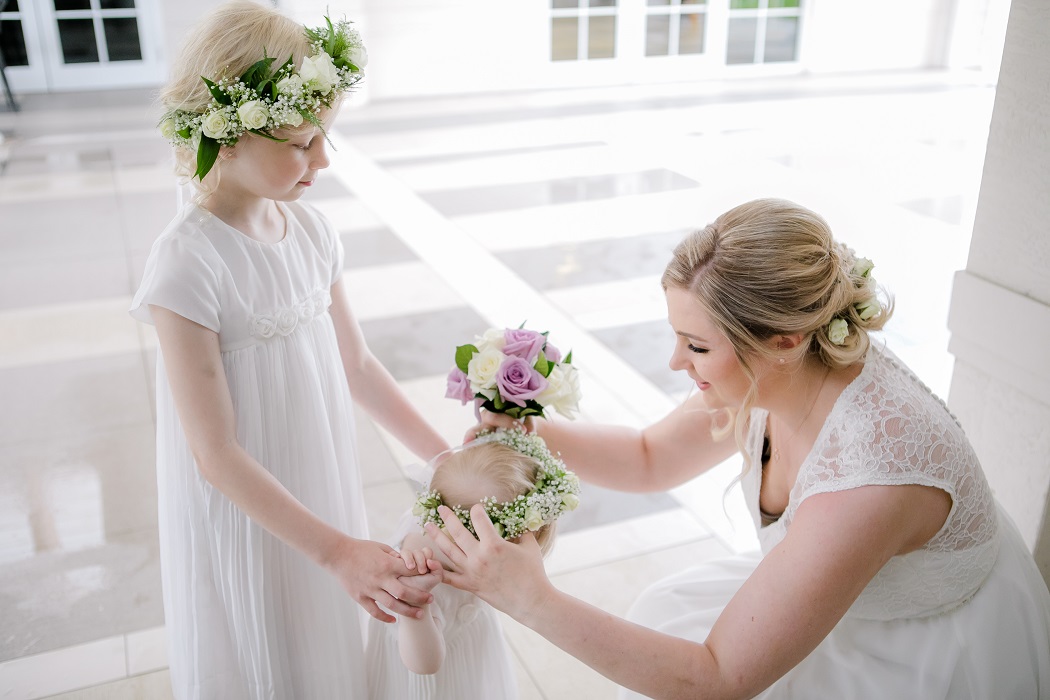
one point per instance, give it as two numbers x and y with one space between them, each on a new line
966 617
477 658
247 616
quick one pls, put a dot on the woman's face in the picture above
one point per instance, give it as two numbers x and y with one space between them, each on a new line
704 353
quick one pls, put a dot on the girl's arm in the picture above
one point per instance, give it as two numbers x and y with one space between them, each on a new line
373 388
835 545
420 641
367 570
662 456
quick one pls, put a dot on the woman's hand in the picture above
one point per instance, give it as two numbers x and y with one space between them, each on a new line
496 421
508 576
370 572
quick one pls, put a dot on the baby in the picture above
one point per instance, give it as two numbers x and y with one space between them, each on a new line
457 650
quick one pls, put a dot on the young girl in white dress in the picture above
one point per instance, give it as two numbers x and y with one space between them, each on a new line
457 650
262 521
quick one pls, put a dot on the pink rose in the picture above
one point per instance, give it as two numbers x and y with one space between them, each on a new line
524 344
518 381
552 354
458 386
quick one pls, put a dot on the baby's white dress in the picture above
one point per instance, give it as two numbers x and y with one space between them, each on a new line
477 658
248 617
966 617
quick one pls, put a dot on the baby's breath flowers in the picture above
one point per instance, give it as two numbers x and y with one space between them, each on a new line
557 490
262 99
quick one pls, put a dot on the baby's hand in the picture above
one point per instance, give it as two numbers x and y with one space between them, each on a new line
424 582
416 559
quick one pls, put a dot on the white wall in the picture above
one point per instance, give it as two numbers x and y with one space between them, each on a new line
1000 315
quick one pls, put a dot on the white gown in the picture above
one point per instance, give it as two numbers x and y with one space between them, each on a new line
966 617
477 658
248 617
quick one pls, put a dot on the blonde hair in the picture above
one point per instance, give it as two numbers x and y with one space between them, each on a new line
224 44
771 267
485 470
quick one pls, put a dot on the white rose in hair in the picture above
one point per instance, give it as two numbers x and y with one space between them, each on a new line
862 267
320 73
292 119
253 114
868 308
215 124
290 85
533 519
838 331
570 501
359 57
167 128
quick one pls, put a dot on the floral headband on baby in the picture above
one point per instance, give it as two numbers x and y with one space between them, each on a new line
838 329
556 491
260 101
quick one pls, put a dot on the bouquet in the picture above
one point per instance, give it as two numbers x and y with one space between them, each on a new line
515 371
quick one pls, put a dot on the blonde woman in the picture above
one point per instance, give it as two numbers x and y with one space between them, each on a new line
887 569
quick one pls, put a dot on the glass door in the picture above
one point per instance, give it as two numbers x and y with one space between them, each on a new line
56 45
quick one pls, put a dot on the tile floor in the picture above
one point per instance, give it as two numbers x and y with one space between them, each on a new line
559 208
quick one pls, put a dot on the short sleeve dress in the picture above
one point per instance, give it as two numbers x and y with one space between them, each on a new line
247 616
965 617
477 662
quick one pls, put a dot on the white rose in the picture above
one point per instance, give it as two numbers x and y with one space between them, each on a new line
570 501
290 84
493 339
862 267
167 128
838 331
263 327
253 114
287 320
482 368
293 119
868 308
215 124
533 519
358 56
319 73
563 391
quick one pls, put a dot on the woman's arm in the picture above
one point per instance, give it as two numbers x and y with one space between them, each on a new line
367 570
835 545
420 641
373 388
662 456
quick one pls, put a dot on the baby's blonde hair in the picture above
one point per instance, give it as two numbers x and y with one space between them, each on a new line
224 44
771 267
489 469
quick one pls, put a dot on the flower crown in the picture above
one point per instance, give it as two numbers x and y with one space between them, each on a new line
838 328
556 491
260 101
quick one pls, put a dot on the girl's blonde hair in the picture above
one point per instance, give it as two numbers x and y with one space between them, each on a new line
224 44
485 470
771 267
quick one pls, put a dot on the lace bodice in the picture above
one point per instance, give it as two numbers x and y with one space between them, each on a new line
887 428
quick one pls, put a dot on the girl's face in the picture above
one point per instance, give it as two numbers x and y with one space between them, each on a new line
704 353
280 171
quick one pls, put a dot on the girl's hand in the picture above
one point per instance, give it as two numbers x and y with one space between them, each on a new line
496 421
424 582
370 572
508 576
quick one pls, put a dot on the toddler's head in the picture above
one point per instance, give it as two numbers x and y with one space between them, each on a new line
522 485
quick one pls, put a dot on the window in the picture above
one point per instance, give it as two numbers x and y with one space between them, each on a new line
583 29
675 27
762 31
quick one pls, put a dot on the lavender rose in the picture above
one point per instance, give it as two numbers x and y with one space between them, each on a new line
458 386
524 344
552 354
518 381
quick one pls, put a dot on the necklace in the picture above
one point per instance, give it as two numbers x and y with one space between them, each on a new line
813 403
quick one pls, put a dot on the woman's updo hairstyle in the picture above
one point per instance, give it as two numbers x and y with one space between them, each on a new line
771 267
226 42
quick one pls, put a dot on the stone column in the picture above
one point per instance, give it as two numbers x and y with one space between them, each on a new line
1000 309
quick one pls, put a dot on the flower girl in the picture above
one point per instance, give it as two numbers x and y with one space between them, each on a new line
457 649
262 520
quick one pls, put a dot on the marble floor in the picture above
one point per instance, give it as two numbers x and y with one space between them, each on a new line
557 208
